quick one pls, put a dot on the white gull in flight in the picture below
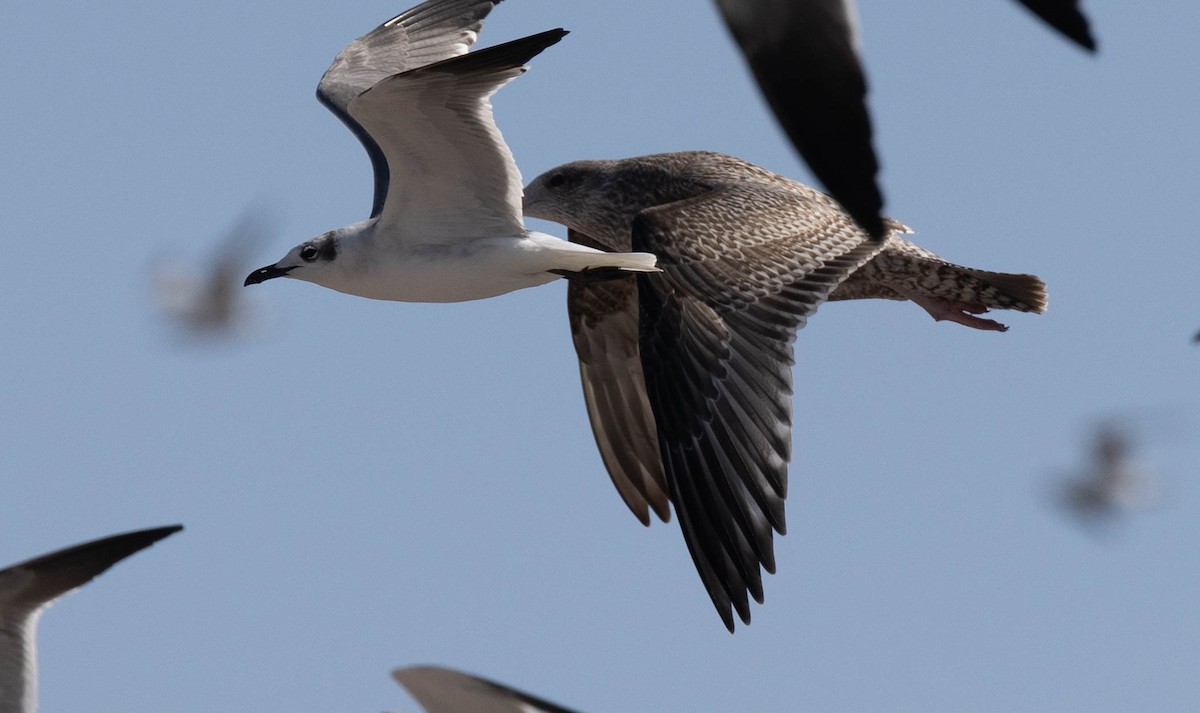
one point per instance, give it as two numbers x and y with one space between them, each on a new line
26 589
444 690
446 223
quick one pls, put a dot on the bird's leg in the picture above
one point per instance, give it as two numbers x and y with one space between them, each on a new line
594 274
941 308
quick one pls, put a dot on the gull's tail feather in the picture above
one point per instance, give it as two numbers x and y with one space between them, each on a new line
602 265
634 262
1024 293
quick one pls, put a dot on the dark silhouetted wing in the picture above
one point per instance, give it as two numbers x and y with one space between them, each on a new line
28 587
804 55
1066 17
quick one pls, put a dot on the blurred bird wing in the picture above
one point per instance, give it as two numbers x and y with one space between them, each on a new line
804 55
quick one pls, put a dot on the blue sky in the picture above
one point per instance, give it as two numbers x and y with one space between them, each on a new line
368 485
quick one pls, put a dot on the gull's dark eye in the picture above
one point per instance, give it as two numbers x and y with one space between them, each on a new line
557 180
308 253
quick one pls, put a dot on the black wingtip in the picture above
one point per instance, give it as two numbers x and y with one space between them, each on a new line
499 57
1066 18
74 566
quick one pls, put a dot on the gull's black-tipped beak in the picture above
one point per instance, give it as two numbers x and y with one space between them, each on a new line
263 274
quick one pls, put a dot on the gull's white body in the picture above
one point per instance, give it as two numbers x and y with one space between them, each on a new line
26 589
383 269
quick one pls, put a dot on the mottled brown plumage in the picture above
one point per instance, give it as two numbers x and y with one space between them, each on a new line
904 271
687 372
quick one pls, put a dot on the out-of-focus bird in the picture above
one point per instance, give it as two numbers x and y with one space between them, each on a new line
444 690
1113 484
687 372
26 589
211 304
806 57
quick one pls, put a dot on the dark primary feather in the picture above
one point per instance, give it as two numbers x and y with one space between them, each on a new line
804 55
1066 17
59 572
805 60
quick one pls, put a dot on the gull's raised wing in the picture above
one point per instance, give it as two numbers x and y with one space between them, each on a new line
430 32
1066 17
452 175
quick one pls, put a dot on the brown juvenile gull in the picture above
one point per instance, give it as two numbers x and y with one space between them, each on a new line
26 589
805 56
446 222
687 372
445 690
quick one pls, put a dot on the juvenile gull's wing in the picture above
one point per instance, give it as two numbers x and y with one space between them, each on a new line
452 175
1066 17
444 690
28 587
430 32
804 55
604 327
742 269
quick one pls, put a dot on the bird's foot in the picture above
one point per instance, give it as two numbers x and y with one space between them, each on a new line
942 309
594 274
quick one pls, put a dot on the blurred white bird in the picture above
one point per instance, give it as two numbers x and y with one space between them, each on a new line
26 589
444 690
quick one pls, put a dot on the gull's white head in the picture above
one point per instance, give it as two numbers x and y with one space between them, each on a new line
320 260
